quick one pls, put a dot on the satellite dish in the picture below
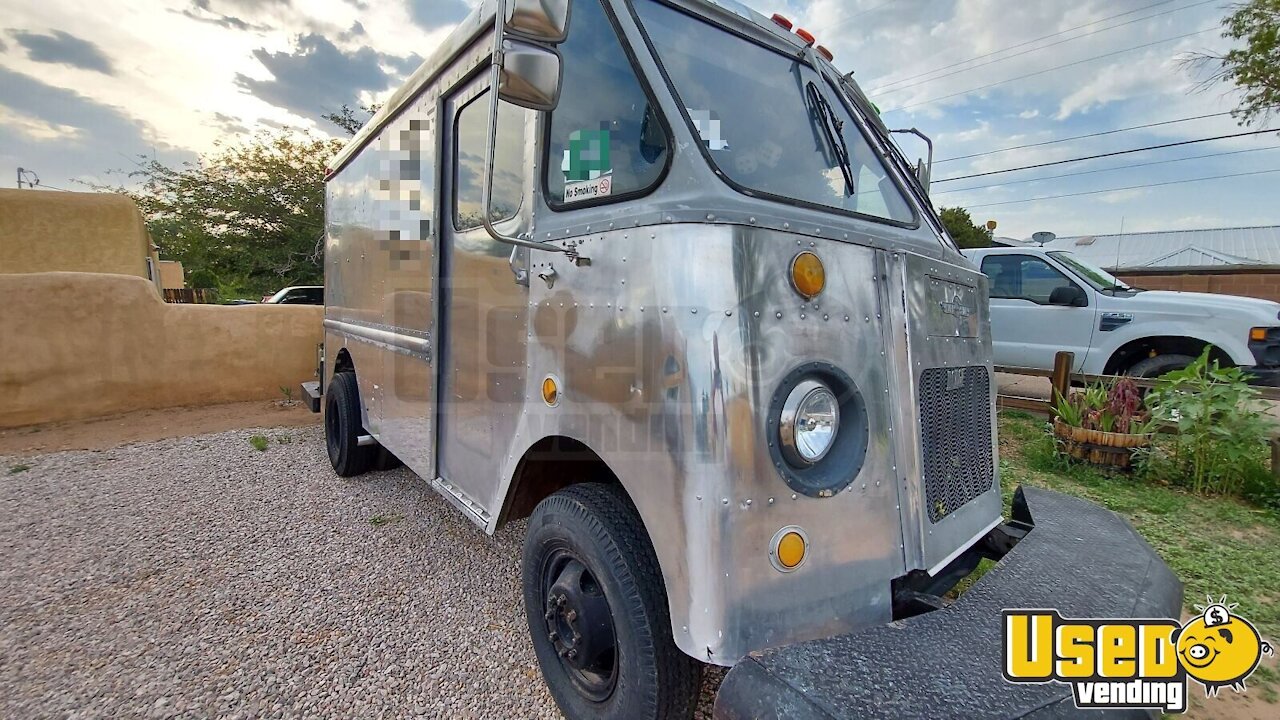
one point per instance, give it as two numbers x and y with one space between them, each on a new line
1043 237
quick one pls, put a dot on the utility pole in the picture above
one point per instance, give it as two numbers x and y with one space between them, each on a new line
31 184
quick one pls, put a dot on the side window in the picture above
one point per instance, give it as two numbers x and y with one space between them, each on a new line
605 139
1023 277
470 134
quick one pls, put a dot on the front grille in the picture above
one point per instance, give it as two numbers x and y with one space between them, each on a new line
955 437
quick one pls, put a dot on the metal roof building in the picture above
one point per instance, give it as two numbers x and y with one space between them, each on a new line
1252 248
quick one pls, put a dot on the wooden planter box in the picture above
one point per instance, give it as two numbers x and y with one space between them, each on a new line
1107 449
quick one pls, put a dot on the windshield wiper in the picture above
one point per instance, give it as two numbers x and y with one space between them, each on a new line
833 129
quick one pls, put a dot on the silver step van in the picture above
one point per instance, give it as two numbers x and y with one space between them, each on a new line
653 275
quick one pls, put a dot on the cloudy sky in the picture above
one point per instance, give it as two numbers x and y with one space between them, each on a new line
85 88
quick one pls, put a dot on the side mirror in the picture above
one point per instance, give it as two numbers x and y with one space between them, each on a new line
1068 295
922 174
545 21
527 71
529 75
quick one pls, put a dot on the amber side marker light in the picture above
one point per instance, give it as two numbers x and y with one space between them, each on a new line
806 36
808 276
782 21
1258 334
824 52
550 391
788 549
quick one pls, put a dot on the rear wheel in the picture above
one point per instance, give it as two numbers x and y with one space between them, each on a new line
1154 367
597 610
342 427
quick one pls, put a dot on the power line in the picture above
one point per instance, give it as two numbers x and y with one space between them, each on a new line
1103 155
1130 187
859 14
1081 137
1110 169
1047 70
882 89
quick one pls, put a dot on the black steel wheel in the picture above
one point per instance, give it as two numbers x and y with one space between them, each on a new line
342 427
597 610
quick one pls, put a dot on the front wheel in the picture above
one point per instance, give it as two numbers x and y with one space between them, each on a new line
597 610
1154 367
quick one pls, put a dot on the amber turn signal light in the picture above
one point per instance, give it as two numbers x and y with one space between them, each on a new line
550 391
808 276
788 548
1259 334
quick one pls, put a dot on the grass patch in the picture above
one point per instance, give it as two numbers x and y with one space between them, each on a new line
380 520
1215 545
19 468
259 442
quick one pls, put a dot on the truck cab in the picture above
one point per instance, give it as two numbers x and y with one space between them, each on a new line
1046 301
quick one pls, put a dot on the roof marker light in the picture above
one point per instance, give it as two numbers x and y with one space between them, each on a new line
784 23
824 52
805 35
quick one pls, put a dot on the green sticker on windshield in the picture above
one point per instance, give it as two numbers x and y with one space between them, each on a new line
587 157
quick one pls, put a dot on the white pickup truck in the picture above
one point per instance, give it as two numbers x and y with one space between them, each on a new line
1043 301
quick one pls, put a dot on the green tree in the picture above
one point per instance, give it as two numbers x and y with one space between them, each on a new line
1253 69
963 230
349 121
250 214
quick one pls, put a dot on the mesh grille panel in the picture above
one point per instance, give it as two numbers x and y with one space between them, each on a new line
955 435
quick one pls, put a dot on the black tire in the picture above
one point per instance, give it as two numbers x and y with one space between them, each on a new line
1154 367
342 427
646 676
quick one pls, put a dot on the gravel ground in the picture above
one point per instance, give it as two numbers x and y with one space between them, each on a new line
198 577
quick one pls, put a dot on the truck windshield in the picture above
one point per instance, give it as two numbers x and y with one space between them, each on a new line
1097 277
768 122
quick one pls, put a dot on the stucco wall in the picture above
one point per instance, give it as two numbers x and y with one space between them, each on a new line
43 231
172 275
1264 284
79 345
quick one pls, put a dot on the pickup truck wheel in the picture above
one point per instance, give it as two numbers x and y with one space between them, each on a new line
597 610
342 427
1154 367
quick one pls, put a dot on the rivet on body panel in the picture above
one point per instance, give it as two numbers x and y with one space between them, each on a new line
778 315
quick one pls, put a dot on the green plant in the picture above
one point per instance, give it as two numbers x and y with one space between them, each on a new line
287 392
1221 430
19 468
1110 407
259 442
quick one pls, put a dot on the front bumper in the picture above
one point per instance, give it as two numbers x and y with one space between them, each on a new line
1080 559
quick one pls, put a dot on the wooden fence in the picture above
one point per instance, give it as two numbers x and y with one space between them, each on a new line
196 296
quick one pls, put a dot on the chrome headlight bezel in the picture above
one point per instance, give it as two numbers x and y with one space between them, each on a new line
799 420
838 466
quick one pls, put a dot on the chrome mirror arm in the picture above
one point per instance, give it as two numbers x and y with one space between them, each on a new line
486 191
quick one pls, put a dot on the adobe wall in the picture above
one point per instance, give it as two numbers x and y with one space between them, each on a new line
79 345
46 231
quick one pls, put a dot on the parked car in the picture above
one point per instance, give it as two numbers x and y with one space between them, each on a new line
297 295
1043 301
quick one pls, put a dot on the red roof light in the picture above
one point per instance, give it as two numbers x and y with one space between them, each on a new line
824 52
805 35
782 21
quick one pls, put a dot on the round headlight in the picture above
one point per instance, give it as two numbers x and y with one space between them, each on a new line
809 423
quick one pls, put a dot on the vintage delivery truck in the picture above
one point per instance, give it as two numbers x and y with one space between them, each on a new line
653 275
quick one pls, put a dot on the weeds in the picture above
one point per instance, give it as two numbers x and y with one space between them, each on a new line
259 442
19 468
380 520
1220 445
287 392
